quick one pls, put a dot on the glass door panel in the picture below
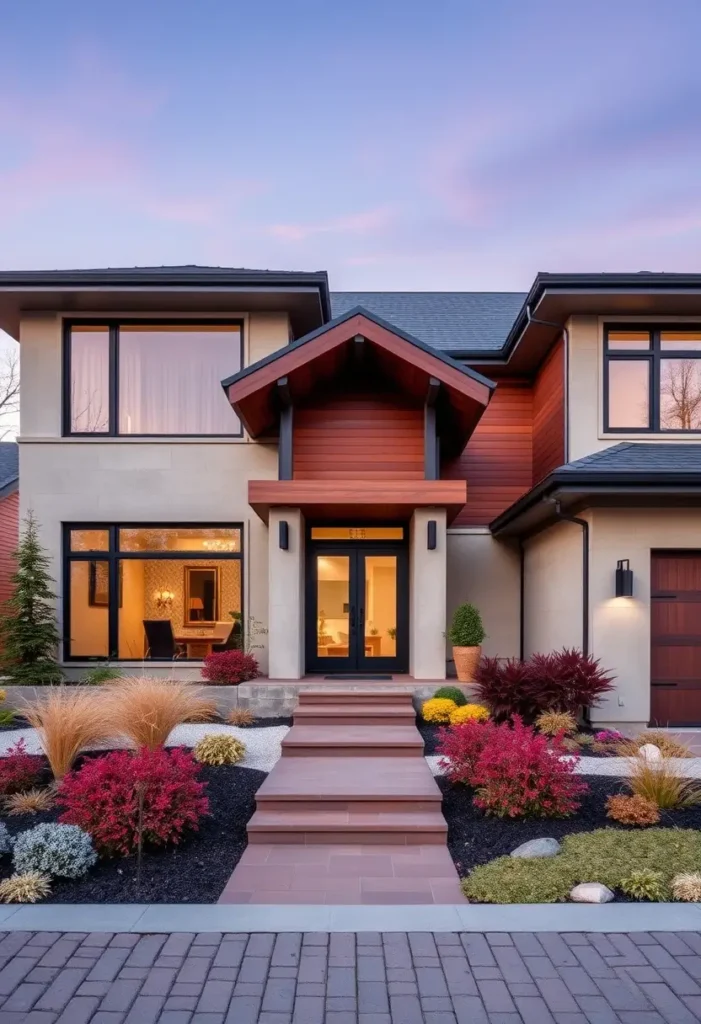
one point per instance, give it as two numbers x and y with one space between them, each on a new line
380 612
333 621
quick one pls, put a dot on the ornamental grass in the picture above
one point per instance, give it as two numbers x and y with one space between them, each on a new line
27 888
146 710
67 721
662 783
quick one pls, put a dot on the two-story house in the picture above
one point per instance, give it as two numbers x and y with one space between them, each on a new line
204 446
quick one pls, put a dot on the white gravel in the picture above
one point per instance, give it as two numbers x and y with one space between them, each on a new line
618 767
262 745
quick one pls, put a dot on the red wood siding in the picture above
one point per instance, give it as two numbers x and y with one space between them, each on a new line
549 414
9 537
357 437
497 460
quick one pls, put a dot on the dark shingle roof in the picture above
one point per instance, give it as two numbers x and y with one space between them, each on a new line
448 321
9 463
638 457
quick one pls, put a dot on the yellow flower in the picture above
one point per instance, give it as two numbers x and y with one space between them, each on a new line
438 709
469 713
3 696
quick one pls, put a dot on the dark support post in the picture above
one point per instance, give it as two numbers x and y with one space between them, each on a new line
285 443
431 442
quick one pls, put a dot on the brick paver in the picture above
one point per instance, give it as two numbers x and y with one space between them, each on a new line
368 978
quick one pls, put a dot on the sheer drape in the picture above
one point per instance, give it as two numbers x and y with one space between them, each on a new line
90 381
170 380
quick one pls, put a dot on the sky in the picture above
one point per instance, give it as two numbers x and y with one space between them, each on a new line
453 144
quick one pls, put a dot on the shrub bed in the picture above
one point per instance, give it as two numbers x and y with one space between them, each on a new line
475 839
194 871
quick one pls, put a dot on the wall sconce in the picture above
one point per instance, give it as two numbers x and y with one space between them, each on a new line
432 535
284 535
164 599
624 578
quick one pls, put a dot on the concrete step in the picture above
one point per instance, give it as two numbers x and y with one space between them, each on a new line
328 781
297 825
372 713
378 696
353 741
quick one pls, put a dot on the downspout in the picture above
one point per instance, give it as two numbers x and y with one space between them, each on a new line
566 335
522 599
585 579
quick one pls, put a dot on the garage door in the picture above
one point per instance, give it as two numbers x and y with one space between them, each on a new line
675 611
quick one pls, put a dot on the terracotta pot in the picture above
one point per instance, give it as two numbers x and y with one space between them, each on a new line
466 661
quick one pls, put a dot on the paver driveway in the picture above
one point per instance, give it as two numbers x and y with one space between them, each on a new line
368 978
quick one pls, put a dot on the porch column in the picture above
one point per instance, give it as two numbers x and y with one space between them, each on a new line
427 602
286 595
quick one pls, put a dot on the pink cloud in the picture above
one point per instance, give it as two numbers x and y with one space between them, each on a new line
368 222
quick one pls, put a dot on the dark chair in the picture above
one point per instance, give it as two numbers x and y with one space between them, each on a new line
232 642
160 642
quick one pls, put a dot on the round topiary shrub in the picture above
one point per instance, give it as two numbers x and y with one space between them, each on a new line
469 713
63 850
438 709
453 693
218 749
466 629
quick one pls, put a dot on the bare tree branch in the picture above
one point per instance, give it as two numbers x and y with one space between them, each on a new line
9 393
680 394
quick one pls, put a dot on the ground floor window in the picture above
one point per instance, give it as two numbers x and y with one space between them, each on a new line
150 591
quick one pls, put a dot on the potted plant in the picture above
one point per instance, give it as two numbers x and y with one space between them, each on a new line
466 634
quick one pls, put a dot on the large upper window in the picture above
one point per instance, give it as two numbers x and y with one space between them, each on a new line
652 379
152 591
150 379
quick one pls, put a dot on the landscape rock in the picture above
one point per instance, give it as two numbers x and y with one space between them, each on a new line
650 753
591 892
537 848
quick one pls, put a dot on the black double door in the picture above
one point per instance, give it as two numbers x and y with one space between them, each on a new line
357 612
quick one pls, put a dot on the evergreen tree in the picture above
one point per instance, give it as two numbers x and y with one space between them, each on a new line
28 631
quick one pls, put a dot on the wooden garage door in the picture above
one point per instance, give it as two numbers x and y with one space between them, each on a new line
675 610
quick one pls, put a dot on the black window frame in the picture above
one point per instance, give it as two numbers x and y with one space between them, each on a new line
113 325
653 356
113 556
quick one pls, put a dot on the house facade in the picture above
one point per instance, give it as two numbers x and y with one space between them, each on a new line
211 453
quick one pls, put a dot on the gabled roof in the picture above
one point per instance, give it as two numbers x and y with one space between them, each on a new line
322 355
448 321
639 457
9 467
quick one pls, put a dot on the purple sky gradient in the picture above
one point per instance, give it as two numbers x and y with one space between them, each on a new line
459 144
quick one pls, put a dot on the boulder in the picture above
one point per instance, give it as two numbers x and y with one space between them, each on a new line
591 892
537 848
649 752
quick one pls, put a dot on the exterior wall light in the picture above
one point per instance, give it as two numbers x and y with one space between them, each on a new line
432 535
624 578
284 535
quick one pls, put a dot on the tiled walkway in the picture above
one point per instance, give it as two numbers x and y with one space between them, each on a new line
368 978
350 813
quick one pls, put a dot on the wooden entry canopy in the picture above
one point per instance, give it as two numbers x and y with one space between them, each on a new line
360 347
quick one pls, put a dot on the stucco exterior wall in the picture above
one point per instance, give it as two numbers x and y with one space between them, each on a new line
427 596
286 596
553 589
486 572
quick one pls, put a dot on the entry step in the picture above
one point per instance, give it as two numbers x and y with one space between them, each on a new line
353 741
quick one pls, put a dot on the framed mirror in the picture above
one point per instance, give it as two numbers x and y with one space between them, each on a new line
201 595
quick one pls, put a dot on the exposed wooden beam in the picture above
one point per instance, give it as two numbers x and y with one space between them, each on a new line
285 449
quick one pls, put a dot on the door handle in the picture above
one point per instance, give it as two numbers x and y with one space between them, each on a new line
352 619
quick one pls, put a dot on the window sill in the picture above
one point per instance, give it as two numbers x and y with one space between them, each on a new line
203 439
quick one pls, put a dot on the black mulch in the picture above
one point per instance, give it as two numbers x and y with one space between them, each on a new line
16 723
267 723
475 838
195 871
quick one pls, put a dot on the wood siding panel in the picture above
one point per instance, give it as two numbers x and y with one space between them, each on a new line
359 437
549 414
497 460
675 637
9 539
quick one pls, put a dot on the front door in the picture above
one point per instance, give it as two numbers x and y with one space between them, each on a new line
675 633
357 605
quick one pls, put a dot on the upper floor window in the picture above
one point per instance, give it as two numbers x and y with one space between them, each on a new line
150 379
652 379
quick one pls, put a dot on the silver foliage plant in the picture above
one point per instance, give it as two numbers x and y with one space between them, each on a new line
5 839
62 850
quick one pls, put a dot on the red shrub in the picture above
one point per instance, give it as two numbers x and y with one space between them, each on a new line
460 748
102 798
519 774
228 668
19 771
565 680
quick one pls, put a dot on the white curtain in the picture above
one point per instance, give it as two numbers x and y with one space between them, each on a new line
89 381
